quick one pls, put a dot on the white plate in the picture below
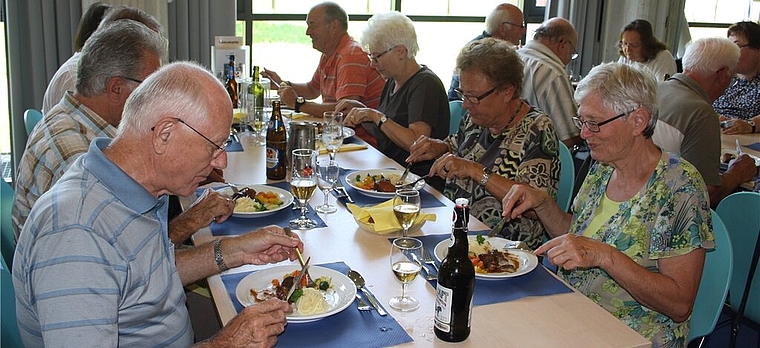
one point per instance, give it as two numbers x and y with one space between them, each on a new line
351 181
528 261
285 196
339 297
348 132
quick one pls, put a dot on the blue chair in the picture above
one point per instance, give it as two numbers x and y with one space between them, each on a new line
456 112
739 211
713 288
10 336
6 230
566 177
31 117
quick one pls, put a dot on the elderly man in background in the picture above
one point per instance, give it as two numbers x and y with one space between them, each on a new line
343 73
113 62
688 124
546 83
94 263
506 23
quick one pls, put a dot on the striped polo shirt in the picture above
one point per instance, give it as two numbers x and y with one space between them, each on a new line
94 265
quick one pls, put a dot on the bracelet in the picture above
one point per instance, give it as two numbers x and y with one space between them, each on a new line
218 256
486 176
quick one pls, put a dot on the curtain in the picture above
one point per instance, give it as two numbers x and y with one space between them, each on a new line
193 24
39 36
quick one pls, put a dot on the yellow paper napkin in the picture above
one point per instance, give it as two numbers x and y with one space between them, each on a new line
345 148
384 222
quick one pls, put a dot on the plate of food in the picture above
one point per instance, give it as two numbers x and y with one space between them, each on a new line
262 200
380 183
331 292
491 260
348 132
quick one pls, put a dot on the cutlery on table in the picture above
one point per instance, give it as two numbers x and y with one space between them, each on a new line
429 274
429 259
738 148
496 229
359 282
289 233
341 191
361 305
297 281
413 183
400 180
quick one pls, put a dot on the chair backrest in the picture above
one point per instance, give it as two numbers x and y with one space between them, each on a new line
713 288
456 111
566 177
31 117
8 238
739 211
10 336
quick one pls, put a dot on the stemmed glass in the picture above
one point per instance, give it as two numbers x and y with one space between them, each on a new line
303 181
406 207
332 131
406 253
327 176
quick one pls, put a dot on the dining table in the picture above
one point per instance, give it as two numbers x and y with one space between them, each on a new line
747 144
535 309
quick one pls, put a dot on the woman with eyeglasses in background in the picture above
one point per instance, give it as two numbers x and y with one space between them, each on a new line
637 44
501 141
413 102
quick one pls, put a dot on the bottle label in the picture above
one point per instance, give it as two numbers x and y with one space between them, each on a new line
443 308
273 157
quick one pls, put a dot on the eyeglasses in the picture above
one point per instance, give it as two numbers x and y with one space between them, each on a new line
522 25
471 98
374 57
742 46
623 44
219 148
131 79
593 126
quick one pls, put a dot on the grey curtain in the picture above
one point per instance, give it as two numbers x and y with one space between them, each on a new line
39 36
193 24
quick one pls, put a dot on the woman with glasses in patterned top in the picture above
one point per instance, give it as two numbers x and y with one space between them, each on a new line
501 141
637 44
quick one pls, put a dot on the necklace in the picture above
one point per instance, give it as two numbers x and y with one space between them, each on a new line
514 114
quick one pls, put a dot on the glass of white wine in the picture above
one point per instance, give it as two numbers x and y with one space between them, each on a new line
406 207
303 181
406 253
332 132
327 175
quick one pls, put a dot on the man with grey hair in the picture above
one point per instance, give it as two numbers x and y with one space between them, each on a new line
113 62
506 23
546 83
688 125
94 265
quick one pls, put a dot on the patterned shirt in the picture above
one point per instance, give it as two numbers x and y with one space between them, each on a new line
63 135
94 265
741 99
669 216
527 152
547 86
347 73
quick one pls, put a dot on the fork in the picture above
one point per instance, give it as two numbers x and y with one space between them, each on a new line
429 260
362 306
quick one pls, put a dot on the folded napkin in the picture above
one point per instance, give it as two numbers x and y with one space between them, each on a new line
345 148
383 219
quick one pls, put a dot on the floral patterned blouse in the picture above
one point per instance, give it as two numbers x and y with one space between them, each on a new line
527 152
669 216
741 99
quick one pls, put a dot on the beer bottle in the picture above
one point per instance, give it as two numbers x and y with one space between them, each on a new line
231 83
276 145
456 282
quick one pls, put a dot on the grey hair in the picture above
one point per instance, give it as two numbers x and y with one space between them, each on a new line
622 88
333 12
500 14
179 89
118 49
125 12
710 54
390 29
494 58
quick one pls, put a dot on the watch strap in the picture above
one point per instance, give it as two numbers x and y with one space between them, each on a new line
753 124
486 176
218 257
382 122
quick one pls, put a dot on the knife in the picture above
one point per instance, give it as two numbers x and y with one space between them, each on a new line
342 192
496 229
297 282
738 148
289 233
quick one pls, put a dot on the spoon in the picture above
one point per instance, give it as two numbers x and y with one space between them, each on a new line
359 282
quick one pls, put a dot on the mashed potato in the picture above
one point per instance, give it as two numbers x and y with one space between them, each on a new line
479 249
311 302
247 205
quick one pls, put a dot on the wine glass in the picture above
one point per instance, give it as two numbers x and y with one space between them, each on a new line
327 176
406 253
303 181
332 131
406 207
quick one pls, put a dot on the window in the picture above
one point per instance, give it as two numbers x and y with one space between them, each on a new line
712 17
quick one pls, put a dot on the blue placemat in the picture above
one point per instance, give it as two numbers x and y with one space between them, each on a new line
349 328
427 200
234 145
753 146
236 225
539 282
